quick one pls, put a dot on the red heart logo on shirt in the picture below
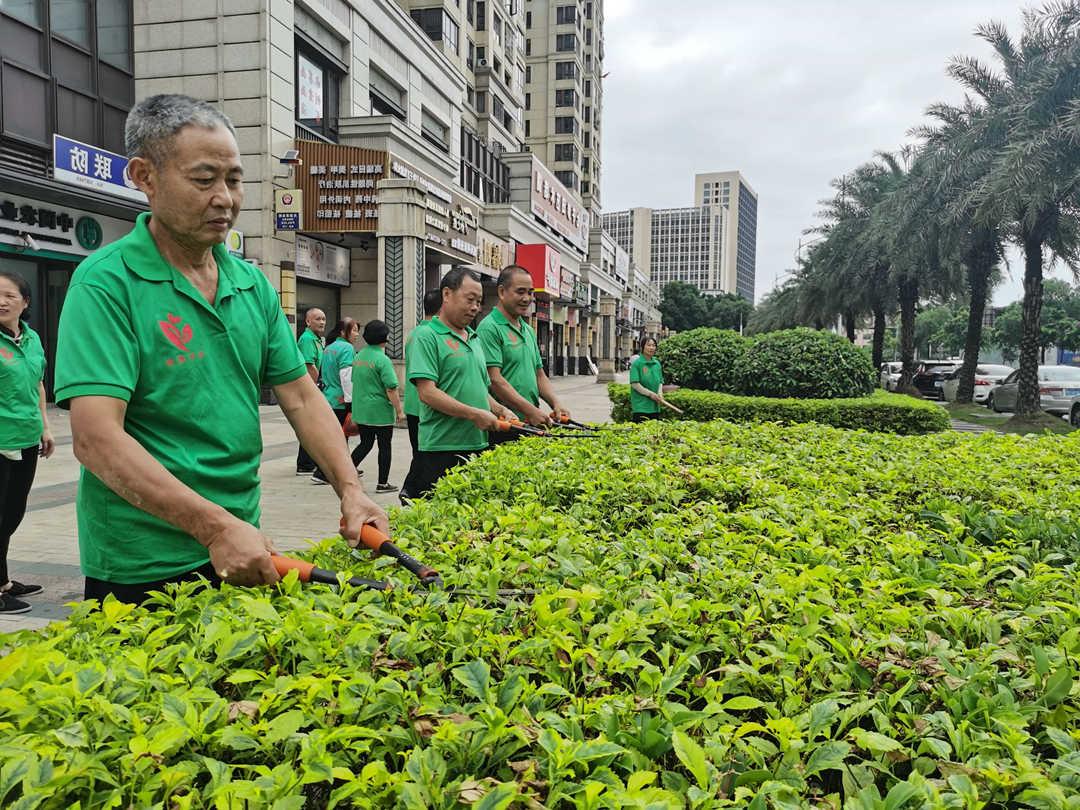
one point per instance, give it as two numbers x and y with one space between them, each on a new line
177 337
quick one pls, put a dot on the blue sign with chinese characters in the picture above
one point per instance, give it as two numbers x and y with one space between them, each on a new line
93 168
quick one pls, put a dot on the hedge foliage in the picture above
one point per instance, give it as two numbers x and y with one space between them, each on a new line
892 413
792 617
804 363
703 358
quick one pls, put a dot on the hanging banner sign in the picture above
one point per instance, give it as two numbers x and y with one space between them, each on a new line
91 167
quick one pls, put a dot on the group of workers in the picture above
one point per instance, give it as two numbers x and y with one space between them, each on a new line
164 344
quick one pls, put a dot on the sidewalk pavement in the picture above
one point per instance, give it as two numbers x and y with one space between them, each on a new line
45 550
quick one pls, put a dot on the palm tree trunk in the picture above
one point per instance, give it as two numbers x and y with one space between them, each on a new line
1027 394
849 325
879 333
908 293
980 260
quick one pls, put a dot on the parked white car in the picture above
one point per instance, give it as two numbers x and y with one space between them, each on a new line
986 377
1059 386
890 375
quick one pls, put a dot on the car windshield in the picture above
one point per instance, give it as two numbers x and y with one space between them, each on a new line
1059 374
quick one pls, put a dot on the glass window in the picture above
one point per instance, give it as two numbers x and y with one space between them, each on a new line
28 11
310 78
113 32
71 20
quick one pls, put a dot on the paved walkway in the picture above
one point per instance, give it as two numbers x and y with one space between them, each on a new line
294 511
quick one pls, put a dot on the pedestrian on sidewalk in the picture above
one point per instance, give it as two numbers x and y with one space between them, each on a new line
165 341
514 364
376 404
311 349
432 303
335 370
448 367
646 381
24 427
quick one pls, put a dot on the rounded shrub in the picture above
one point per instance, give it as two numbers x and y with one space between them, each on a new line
703 358
804 363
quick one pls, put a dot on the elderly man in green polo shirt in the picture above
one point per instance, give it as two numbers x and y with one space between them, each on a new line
311 346
446 362
513 356
164 342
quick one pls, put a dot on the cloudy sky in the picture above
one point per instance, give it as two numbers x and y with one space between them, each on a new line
791 93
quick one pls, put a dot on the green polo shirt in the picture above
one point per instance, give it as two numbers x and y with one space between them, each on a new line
335 357
411 405
311 347
136 329
22 367
372 374
648 373
457 367
514 351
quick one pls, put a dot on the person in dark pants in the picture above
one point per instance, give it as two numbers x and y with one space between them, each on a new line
310 343
646 381
335 371
432 300
24 428
375 401
448 366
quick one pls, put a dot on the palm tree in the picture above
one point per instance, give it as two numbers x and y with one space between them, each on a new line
1032 181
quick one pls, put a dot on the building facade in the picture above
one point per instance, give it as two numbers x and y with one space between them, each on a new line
66 85
711 245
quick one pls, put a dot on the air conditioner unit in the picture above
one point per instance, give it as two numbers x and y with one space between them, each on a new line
482 62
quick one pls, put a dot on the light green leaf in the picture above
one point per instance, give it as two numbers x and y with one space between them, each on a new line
828 756
692 756
475 676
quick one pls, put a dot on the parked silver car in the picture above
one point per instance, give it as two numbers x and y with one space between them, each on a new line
1058 386
890 375
986 377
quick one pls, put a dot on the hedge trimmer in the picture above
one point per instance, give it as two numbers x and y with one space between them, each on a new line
521 429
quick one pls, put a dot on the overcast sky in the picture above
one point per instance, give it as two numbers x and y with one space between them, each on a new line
791 93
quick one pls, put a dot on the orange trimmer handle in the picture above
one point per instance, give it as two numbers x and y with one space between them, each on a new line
284 565
309 572
380 544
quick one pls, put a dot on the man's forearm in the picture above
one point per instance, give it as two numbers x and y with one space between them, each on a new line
318 430
313 372
547 393
439 400
125 467
505 393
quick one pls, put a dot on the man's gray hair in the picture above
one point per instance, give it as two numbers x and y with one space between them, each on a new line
154 122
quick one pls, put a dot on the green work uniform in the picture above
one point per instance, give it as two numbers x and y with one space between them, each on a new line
22 367
311 347
134 328
372 374
646 372
412 399
457 367
335 357
514 351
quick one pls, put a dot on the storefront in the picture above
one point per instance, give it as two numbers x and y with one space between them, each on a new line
322 270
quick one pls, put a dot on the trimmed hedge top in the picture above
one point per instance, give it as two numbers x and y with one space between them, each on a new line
703 358
792 617
881 411
805 363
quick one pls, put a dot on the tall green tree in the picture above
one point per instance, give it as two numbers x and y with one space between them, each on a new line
684 307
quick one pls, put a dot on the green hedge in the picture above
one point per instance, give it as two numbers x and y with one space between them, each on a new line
788 617
881 411
703 358
803 363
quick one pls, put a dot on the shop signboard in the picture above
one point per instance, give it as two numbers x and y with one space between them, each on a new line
34 226
567 281
542 262
91 167
320 261
451 219
494 254
557 208
338 186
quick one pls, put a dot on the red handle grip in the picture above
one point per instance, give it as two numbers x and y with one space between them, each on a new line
284 565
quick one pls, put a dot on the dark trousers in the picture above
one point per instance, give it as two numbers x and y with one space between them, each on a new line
138 593
414 432
369 434
429 466
645 417
304 462
15 480
340 413
497 437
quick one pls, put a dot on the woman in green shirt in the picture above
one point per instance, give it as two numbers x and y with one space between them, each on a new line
646 381
337 357
375 401
24 428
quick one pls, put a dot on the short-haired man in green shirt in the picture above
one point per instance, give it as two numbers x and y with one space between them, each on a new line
164 342
446 362
513 356
432 304
311 347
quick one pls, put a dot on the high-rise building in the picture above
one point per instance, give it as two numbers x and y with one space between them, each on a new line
711 245
564 54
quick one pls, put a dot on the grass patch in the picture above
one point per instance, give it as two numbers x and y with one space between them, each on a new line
1004 423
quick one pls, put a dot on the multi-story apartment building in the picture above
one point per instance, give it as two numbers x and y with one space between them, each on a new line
564 54
711 245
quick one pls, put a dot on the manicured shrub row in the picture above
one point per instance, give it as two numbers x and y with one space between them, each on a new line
782 617
789 363
892 413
